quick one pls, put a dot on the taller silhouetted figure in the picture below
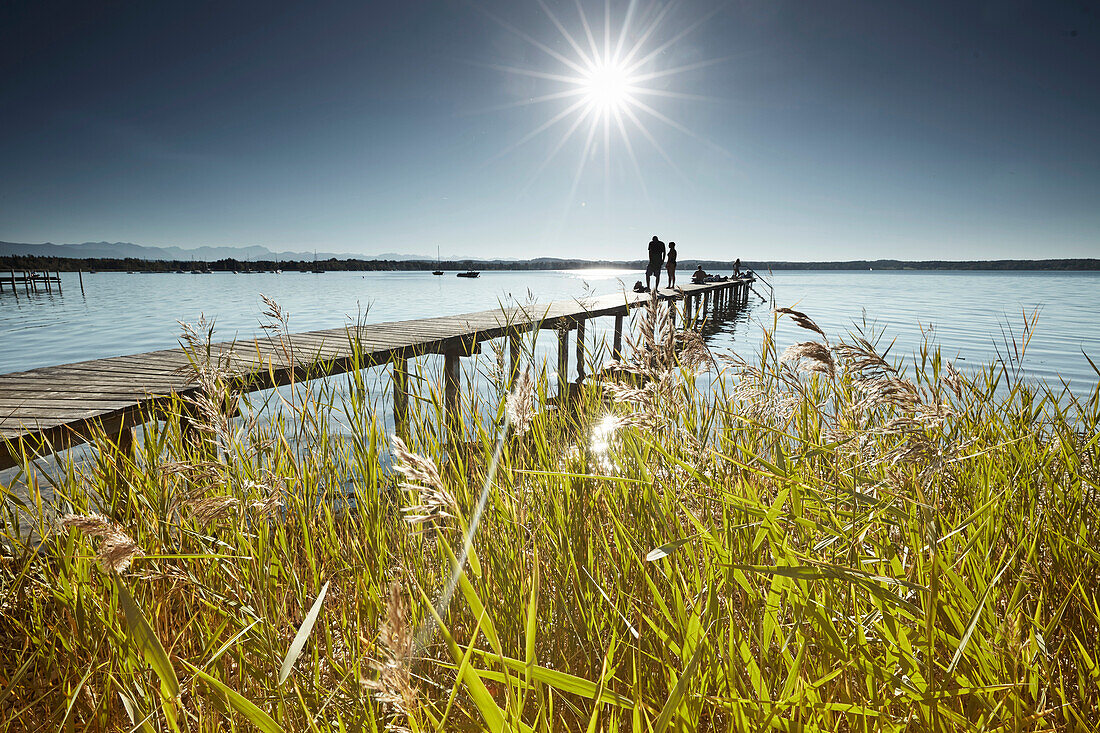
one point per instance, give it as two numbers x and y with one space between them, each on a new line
656 259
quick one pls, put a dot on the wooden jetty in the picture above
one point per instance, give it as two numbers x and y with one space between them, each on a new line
52 408
31 281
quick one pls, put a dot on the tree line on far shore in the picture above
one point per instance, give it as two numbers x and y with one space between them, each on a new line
130 264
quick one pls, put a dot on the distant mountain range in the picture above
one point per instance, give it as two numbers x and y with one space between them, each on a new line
123 250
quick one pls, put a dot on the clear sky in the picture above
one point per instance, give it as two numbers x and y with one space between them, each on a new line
763 129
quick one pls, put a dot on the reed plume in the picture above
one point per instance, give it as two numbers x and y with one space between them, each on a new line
423 479
520 403
116 548
394 687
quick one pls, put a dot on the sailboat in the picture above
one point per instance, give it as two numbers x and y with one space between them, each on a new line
316 269
437 271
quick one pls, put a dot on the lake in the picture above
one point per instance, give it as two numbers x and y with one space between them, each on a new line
967 313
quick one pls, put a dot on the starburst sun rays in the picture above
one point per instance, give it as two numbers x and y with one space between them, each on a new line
607 90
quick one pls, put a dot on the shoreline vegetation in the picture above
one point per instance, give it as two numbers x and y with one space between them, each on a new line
817 539
131 264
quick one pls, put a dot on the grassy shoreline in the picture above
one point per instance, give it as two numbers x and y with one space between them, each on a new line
817 541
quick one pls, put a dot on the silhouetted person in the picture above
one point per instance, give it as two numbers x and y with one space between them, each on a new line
700 275
737 267
656 259
670 266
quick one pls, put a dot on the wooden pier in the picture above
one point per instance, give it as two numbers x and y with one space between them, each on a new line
51 408
32 282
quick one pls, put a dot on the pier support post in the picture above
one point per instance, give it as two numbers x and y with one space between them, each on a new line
563 362
515 349
580 351
190 434
124 448
617 344
401 397
80 275
452 380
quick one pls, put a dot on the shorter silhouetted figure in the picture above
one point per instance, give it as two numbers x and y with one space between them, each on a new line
670 265
639 288
699 276
737 267
656 259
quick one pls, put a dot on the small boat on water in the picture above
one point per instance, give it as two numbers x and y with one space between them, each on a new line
470 273
437 271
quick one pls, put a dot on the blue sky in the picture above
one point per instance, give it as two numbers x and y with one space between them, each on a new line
792 130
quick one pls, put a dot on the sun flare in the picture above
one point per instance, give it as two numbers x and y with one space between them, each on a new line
608 93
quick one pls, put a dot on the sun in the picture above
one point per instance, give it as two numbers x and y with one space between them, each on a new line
608 93
607 87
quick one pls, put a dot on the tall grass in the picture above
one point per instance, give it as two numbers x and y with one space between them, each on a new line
819 539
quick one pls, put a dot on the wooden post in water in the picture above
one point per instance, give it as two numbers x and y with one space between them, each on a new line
124 447
515 349
563 362
58 273
80 275
617 344
580 351
401 397
452 381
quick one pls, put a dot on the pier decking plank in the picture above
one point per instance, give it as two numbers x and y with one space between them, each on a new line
59 406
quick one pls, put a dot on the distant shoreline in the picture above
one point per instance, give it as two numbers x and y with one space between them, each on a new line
69 264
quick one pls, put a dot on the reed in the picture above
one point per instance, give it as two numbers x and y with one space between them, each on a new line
814 539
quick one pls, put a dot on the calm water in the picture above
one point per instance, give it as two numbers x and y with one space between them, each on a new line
130 313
